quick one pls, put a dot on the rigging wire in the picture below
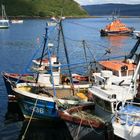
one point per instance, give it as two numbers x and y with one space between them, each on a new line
85 26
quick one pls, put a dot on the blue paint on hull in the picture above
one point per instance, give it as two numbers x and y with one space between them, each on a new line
42 109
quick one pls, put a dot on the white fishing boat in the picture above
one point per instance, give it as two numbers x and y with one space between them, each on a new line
122 70
127 121
119 100
106 95
4 22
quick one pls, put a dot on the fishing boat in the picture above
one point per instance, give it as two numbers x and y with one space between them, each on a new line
80 82
122 69
83 123
4 22
112 82
41 65
42 99
126 122
116 27
111 99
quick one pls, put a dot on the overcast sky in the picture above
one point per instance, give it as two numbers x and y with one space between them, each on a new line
88 2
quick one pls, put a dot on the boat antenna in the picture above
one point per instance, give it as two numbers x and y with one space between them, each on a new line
133 50
3 12
67 57
43 50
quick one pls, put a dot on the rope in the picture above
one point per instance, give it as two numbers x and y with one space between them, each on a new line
94 129
11 82
78 131
23 136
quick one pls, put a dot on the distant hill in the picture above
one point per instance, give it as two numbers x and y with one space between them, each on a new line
42 8
107 9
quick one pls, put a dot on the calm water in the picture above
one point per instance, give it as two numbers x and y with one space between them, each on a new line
19 43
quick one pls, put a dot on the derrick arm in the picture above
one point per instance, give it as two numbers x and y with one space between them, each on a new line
134 49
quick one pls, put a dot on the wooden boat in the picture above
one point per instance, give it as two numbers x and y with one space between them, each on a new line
116 27
4 22
82 122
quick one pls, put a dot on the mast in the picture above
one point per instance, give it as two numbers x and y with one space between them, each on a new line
133 50
43 50
59 29
67 57
3 12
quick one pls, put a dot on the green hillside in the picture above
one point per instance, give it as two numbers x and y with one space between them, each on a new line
42 8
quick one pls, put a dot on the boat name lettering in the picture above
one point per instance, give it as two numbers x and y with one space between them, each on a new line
36 109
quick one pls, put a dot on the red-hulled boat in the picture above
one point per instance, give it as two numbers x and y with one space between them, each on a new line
83 123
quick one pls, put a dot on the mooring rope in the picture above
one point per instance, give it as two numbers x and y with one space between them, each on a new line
78 131
23 136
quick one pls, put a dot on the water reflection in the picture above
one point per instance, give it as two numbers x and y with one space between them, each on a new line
37 130
117 41
45 130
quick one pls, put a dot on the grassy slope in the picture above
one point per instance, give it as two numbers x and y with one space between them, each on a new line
42 8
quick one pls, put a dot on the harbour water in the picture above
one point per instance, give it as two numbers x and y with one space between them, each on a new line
19 43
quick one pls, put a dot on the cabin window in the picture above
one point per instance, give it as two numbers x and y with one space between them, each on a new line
107 105
99 101
118 106
104 104
123 73
116 73
130 72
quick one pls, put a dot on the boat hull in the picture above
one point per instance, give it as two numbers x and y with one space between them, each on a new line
42 104
85 132
4 27
107 33
126 132
81 126
43 109
10 78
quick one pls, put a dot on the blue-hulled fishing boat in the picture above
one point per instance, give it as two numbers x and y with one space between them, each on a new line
42 100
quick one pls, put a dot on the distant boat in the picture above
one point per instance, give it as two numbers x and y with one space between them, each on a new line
116 27
4 22
16 21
